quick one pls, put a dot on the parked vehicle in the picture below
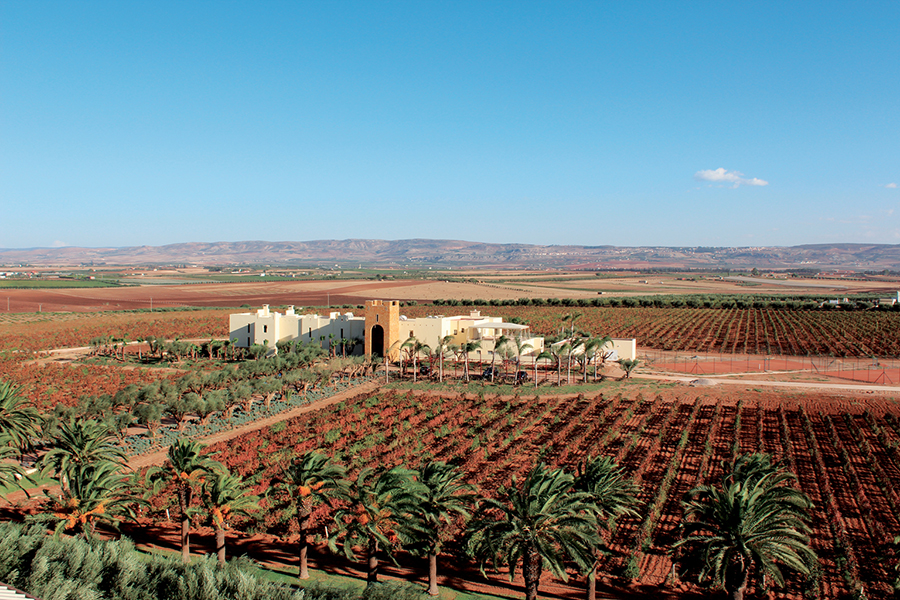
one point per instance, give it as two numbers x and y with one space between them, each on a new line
490 371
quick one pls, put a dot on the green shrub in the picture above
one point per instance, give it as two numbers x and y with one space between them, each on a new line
66 568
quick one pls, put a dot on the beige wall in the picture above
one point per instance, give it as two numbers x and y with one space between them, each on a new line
626 347
241 328
265 325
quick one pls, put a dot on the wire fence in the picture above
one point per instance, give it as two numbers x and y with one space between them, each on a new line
885 371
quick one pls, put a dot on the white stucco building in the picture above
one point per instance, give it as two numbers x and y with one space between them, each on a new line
267 327
382 329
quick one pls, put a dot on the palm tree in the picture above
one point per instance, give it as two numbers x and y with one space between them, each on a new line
628 365
546 354
186 467
572 318
571 351
18 421
753 523
558 352
591 350
541 521
311 480
444 345
521 347
94 492
498 347
224 496
599 355
10 472
79 443
379 513
387 355
414 347
465 348
445 495
612 495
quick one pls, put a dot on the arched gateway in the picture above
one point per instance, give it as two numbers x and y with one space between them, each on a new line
377 343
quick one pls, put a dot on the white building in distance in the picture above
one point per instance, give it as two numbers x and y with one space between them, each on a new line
381 330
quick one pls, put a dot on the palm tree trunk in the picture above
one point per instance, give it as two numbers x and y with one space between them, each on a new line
531 573
432 575
303 544
303 552
737 593
220 545
592 584
184 500
372 574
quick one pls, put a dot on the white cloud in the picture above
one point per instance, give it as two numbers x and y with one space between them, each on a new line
891 186
59 244
720 175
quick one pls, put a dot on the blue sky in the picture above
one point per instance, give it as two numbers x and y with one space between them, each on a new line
626 123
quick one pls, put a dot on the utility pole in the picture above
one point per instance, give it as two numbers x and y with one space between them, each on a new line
151 303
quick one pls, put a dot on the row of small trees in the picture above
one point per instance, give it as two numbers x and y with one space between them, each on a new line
206 393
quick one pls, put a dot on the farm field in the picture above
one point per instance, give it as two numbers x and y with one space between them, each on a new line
31 332
180 288
727 330
670 438
299 293
737 333
694 283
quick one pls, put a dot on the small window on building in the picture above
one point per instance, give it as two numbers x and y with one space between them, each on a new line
248 342
411 333
265 329
248 327
376 318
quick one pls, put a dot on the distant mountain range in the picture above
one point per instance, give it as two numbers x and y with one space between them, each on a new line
452 253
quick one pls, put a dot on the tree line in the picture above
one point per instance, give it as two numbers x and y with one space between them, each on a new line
724 301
